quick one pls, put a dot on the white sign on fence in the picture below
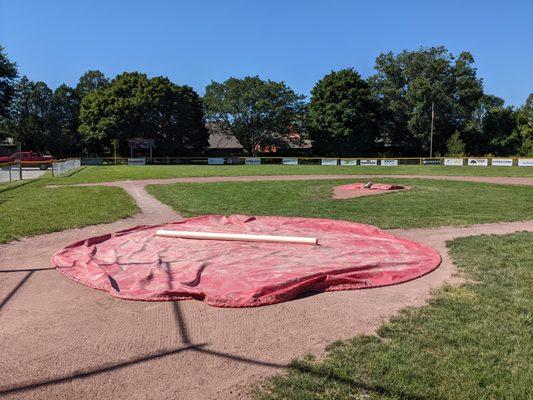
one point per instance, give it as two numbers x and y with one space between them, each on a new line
389 163
137 161
215 161
480 162
328 161
502 162
252 161
368 162
453 161
348 162
525 162
290 161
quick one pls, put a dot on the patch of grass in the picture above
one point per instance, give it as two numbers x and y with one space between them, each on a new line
28 208
429 203
124 172
469 342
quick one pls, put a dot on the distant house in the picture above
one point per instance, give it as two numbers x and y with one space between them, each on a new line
222 143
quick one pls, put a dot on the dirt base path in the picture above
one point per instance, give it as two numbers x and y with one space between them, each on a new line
63 340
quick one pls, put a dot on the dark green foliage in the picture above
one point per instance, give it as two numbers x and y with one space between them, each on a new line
133 105
455 146
8 74
90 82
255 111
342 115
408 83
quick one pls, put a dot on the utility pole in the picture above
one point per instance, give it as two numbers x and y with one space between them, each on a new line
431 134
19 149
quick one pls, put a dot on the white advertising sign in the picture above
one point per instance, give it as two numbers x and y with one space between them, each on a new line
368 162
453 161
215 161
137 161
480 162
252 161
525 162
328 161
389 163
290 161
348 162
502 162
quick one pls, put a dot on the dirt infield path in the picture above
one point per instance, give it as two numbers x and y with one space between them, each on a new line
62 340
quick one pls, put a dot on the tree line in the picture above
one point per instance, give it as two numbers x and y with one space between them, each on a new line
390 113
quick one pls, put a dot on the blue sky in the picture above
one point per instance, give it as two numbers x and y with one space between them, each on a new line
194 42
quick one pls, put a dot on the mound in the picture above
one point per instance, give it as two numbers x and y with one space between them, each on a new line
135 264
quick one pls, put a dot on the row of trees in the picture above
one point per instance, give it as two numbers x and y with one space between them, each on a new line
389 113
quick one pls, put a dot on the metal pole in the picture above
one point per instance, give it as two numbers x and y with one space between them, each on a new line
20 160
431 134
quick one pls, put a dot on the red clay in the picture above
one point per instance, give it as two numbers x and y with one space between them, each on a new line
60 340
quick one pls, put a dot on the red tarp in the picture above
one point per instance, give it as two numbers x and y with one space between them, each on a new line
374 186
135 264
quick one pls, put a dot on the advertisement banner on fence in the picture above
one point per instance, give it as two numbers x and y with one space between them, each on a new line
389 163
525 162
431 162
215 161
348 162
480 162
502 162
453 161
137 161
252 161
290 161
328 161
368 162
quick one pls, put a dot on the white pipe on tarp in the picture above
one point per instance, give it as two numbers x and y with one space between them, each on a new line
236 237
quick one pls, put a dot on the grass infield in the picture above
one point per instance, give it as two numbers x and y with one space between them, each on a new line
28 208
469 342
124 172
429 203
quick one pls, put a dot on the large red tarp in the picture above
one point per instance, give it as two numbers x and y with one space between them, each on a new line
135 264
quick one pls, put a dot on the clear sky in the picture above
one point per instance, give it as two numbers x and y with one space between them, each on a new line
194 42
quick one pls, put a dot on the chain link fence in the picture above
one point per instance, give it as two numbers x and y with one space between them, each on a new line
63 167
10 172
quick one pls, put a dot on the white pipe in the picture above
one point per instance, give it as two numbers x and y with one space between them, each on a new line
236 237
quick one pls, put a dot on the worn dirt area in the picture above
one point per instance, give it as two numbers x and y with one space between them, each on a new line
63 340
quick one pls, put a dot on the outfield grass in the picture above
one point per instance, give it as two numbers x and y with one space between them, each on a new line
28 208
124 172
429 203
469 342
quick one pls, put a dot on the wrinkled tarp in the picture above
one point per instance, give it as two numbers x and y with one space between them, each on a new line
135 264
375 186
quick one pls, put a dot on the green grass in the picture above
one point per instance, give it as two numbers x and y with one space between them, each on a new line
429 203
470 342
28 208
124 172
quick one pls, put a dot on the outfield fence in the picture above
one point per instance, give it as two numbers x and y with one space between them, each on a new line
326 161
63 167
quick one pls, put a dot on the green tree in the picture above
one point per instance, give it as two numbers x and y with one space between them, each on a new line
524 127
32 120
134 106
90 82
255 111
455 146
342 115
67 109
406 85
8 74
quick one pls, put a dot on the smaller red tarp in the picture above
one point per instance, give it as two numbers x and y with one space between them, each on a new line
374 186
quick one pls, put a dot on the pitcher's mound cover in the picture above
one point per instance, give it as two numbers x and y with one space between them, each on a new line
135 264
